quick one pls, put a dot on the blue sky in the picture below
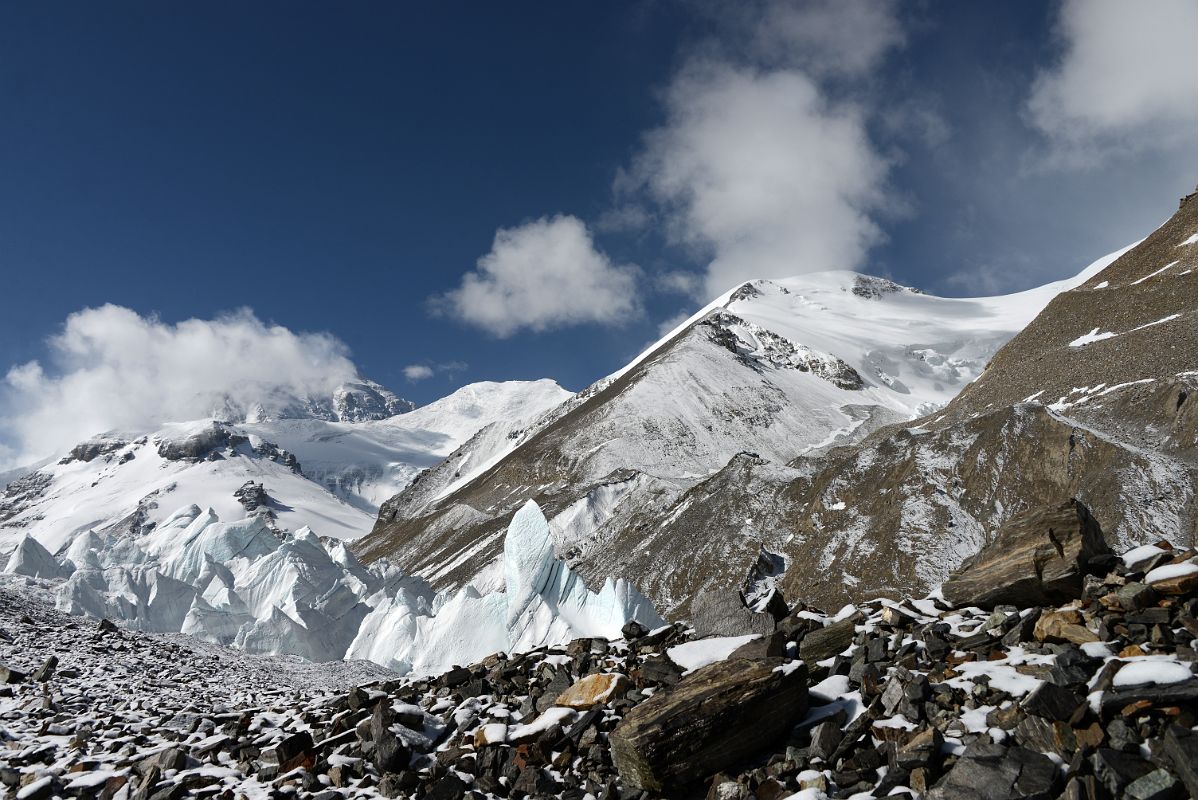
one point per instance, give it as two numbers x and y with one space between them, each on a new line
344 167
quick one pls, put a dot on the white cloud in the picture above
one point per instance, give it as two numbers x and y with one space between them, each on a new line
669 324
541 275
112 369
417 372
828 38
763 171
679 282
1127 78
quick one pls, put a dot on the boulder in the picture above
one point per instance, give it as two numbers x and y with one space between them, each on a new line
1180 748
829 641
1174 579
1064 625
716 717
720 612
1037 558
46 671
594 690
10 675
993 772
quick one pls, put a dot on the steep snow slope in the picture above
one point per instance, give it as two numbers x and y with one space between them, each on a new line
241 583
777 368
1112 423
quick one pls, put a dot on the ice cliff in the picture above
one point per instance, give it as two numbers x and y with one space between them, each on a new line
244 584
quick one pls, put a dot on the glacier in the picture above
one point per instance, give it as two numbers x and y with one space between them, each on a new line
248 585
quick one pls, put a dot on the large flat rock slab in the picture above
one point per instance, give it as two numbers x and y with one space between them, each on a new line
1037 558
714 718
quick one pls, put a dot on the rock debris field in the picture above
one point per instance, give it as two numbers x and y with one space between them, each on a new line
1058 670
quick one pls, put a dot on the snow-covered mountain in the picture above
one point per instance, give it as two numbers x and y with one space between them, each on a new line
678 471
297 468
364 462
776 369
212 528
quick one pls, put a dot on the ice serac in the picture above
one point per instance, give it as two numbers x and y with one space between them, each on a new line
31 559
543 602
243 584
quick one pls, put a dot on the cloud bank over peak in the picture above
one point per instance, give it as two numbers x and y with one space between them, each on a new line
111 368
760 169
765 163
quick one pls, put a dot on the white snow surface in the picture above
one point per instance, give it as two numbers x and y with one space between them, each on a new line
701 652
241 583
1169 571
366 463
1152 669
779 396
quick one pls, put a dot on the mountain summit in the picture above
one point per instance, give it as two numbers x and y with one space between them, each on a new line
768 373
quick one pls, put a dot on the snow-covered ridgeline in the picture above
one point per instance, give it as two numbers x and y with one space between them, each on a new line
243 584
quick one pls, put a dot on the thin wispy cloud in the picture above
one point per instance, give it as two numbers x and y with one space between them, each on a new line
421 372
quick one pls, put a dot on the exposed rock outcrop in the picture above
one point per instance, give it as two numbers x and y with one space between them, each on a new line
1036 558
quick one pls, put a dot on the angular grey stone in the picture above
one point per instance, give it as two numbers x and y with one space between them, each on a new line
829 641
1156 785
721 612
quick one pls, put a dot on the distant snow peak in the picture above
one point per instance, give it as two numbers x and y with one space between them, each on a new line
359 400
268 592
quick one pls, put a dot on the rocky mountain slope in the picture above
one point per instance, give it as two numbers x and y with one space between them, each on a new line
765 374
1051 417
1092 694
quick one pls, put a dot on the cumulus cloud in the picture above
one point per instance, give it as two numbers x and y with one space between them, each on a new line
417 372
1127 78
541 275
113 369
765 172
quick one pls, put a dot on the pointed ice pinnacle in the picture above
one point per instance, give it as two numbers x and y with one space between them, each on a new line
33 560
